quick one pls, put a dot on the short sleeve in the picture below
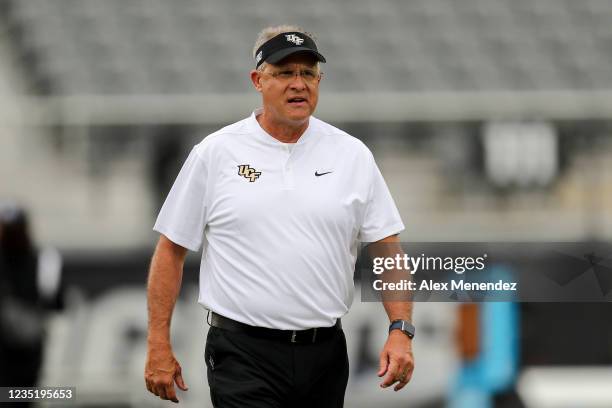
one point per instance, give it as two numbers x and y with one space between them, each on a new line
381 218
182 218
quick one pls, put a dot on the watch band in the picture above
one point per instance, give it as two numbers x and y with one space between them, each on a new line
403 325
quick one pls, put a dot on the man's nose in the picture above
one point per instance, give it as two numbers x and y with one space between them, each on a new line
298 82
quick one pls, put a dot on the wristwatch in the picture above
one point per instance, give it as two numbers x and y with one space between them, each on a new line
403 325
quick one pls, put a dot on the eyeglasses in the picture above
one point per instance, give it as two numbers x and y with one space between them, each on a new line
309 76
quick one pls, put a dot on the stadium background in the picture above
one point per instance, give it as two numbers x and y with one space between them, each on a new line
490 120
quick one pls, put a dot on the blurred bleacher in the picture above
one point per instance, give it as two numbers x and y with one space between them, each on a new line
490 119
110 47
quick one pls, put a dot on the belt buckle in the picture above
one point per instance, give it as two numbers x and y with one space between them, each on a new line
294 334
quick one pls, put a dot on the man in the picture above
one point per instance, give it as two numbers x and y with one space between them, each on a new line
283 200
30 285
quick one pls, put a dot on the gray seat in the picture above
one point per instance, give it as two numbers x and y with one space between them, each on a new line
199 46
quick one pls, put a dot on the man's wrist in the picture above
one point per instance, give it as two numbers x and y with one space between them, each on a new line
397 334
403 326
158 340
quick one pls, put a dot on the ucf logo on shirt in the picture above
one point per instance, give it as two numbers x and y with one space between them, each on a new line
246 171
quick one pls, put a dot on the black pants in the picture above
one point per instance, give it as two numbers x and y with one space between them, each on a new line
245 371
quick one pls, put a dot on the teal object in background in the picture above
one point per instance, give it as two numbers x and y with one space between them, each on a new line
495 368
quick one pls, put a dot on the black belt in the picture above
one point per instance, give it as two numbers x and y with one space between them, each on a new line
291 336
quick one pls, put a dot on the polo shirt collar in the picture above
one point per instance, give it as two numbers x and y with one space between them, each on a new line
266 138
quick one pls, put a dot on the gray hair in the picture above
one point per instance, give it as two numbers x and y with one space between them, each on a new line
271 32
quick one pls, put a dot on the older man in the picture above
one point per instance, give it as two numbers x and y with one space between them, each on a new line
281 201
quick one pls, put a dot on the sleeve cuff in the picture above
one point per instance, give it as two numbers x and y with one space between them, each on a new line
177 238
384 233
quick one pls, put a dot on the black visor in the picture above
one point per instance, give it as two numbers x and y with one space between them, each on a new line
285 44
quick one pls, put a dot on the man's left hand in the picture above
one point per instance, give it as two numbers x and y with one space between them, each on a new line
396 360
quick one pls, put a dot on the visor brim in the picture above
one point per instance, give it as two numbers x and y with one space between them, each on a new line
278 56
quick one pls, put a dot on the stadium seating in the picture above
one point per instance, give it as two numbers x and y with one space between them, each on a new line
198 47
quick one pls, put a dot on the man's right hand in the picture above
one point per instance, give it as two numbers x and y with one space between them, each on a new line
161 371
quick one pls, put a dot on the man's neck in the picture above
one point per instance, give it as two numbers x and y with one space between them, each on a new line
282 131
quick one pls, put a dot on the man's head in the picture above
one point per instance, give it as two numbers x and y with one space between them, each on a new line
287 73
14 231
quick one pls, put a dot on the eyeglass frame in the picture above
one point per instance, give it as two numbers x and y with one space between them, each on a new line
294 73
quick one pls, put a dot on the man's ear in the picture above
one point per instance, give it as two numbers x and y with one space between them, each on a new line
256 79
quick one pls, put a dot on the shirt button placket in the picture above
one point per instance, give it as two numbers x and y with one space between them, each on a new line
287 170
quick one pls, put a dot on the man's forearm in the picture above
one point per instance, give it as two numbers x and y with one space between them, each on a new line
164 284
398 310
398 304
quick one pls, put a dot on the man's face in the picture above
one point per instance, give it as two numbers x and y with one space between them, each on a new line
288 97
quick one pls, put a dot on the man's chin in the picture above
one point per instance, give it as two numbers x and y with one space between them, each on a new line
298 118
299 114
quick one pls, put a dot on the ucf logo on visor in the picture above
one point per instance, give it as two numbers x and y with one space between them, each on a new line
249 173
294 39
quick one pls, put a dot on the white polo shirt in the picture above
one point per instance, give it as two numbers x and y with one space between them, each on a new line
280 226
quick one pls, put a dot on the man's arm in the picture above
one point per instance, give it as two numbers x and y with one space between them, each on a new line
396 358
165 276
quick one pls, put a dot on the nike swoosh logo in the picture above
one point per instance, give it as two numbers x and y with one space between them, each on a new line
322 174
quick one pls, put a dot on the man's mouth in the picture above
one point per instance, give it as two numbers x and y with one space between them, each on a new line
297 100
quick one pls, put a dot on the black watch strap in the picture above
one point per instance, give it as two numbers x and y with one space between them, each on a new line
403 325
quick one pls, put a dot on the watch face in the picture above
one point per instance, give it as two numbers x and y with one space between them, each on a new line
404 326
